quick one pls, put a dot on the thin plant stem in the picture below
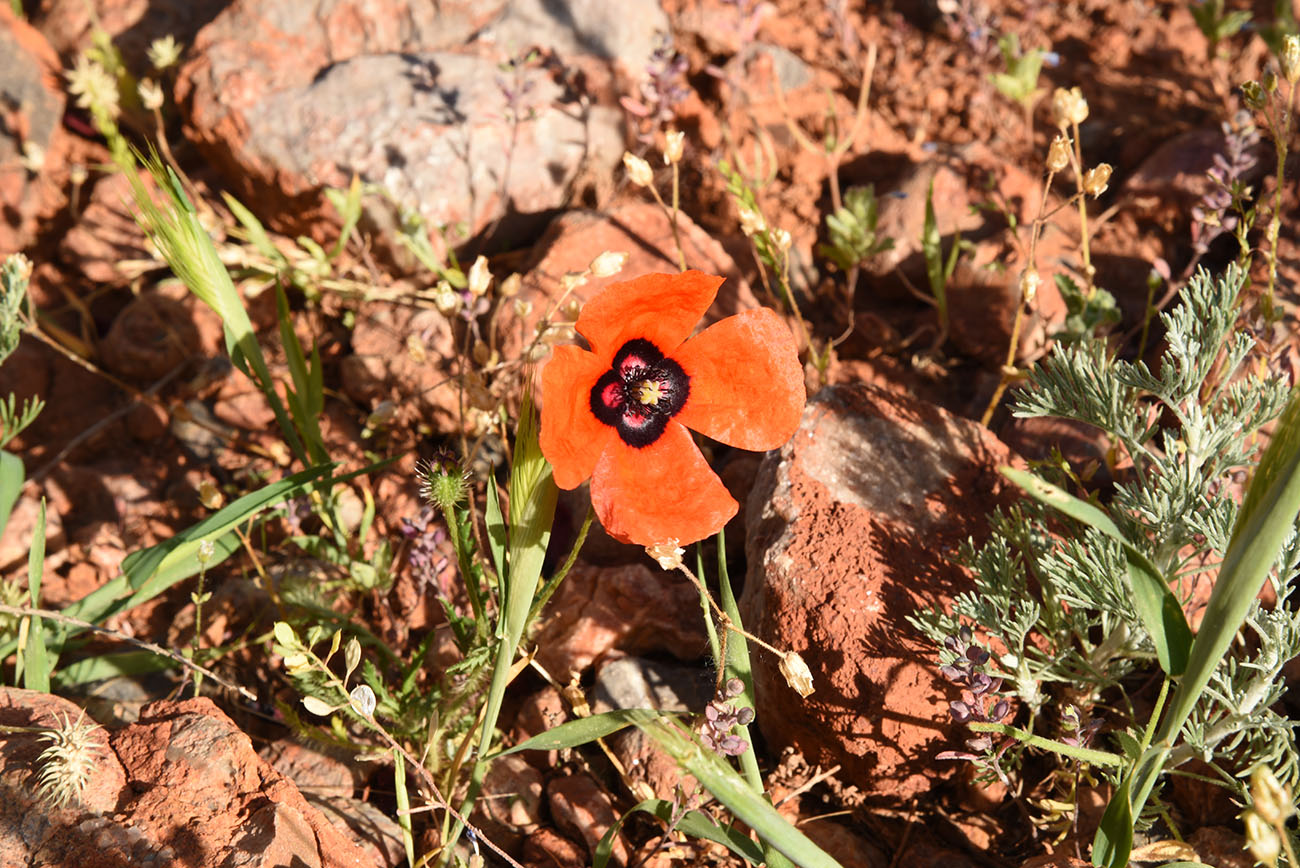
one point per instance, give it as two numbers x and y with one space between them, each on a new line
677 238
1281 145
1009 370
1088 271
176 657
1093 757
671 214
723 618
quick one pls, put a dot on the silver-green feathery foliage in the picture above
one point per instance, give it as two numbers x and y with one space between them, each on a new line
1055 593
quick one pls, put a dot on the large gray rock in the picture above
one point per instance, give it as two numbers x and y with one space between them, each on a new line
286 98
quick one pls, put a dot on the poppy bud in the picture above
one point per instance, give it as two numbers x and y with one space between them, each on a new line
1262 839
1069 108
442 481
1029 282
638 170
796 673
607 264
479 276
1058 155
1096 180
1290 58
673 149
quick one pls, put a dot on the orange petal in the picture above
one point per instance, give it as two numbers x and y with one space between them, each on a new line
746 381
572 439
664 491
662 308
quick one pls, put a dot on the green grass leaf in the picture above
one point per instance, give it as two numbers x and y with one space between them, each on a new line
729 788
36 672
583 730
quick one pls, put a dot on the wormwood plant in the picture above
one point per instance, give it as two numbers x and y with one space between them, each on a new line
1073 598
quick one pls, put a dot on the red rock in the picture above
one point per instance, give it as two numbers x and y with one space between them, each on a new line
540 711
33 144
852 527
133 24
200 787
106 235
583 810
547 848
150 338
631 608
1216 845
407 356
16 539
510 807
28 825
638 228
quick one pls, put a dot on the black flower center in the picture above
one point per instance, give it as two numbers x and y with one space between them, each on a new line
640 392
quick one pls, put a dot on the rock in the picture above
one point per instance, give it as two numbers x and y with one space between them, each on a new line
149 339
33 144
510 808
582 810
106 236
851 528
16 536
984 290
540 711
634 682
376 833
624 33
547 848
310 769
28 825
408 356
637 228
201 789
378 98
629 608
133 25
1217 845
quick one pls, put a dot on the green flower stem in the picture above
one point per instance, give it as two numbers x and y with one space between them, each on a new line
1092 757
737 666
544 595
466 569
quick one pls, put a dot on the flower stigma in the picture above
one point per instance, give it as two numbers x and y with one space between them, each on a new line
650 393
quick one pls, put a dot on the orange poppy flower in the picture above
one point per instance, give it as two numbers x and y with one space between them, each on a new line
620 413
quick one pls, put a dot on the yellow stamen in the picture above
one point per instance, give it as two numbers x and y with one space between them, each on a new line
650 393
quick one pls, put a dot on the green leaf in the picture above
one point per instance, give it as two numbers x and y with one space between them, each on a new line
114 665
496 530
1153 599
694 823
1114 839
254 232
12 475
36 674
151 571
728 787
584 730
